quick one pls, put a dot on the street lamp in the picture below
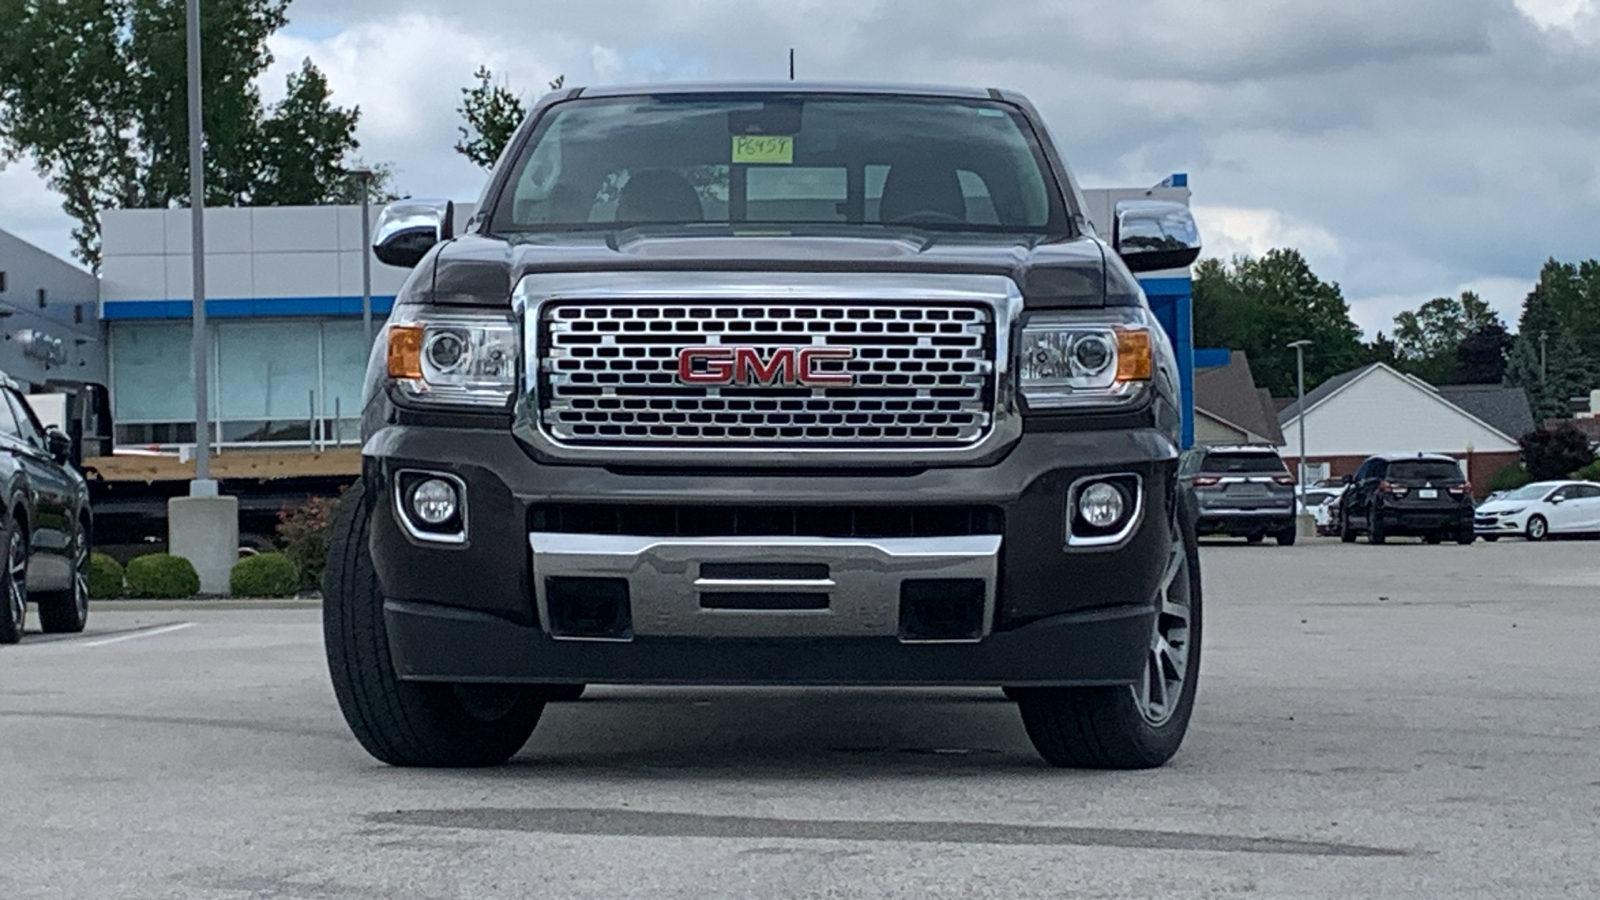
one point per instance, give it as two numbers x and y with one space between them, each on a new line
1300 366
202 486
364 176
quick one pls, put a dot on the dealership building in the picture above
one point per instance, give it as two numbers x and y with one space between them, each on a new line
285 297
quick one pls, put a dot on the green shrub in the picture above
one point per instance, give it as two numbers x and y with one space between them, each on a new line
105 577
1591 472
161 576
1510 478
303 532
264 575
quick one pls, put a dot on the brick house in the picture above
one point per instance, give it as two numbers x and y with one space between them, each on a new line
1377 409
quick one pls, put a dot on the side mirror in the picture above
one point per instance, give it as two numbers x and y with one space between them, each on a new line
1557 500
1151 235
1347 480
407 229
59 445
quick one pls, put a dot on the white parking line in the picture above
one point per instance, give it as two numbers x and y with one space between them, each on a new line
149 632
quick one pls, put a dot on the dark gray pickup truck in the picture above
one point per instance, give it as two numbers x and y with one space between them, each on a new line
770 385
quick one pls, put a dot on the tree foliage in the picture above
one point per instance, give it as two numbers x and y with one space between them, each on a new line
94 94
1566 299
1451 340
492 113
1565 372
1261 305
1550 454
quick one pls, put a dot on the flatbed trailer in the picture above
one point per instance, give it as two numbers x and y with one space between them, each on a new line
129 492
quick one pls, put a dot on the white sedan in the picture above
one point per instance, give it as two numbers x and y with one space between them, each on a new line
1540 510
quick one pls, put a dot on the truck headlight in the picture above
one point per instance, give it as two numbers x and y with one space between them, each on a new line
1075 360
453 357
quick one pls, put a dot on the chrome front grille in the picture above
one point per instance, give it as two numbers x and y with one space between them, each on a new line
922 374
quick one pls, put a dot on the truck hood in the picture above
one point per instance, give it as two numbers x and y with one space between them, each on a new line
483 269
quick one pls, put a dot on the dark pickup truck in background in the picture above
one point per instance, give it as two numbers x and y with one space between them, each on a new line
791 385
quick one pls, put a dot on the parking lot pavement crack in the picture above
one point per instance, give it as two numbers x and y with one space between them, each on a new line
179 721
639 823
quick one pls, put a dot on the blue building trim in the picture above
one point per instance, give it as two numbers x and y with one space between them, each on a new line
1172 301
257 308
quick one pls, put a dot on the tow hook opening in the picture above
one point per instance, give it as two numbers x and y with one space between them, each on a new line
942 609
595 609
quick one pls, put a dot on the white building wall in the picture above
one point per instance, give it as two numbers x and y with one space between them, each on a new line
1381 412
56 335
267 253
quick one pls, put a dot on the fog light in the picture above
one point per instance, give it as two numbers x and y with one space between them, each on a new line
435 501
1102 505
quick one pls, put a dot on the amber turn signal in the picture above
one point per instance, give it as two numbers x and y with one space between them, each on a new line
405 351
1134 359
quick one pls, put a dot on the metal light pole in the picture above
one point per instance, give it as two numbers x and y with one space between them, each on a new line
202 486
1300 366
364 176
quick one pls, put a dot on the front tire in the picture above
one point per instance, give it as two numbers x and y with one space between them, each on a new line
1375 533
1137 726
67 612
1538 528
14 584
399 722
1347 532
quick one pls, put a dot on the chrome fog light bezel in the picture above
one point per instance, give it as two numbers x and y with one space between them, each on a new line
1081 533
452 529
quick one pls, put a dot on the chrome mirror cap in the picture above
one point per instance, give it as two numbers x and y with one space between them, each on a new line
1151 235
407 229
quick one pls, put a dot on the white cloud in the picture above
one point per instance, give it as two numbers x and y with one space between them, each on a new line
32 212
1580 18
1228 231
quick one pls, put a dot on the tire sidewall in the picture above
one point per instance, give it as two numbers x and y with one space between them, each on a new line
1540 534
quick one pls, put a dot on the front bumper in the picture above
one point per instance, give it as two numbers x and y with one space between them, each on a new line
1052 613
1493 525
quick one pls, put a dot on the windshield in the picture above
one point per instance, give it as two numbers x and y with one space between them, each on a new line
1530 492
1242 462
1425 470
933 163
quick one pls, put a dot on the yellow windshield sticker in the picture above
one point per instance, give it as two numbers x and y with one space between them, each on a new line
769 149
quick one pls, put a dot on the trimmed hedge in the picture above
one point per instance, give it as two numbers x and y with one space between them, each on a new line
105 577
1591 472
1510 478
161 576
264 575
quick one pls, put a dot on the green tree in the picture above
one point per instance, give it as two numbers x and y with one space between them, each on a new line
1481 356
493 113
1262 305
1566 298
1565 372
93 94
1429 339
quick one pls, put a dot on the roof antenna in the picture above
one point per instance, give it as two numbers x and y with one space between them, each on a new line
791 63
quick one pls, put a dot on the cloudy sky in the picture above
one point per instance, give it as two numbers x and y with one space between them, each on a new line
1410 148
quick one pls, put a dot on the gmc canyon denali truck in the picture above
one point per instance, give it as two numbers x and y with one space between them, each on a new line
770 385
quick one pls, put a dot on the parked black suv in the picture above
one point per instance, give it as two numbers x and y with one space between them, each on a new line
1424 496
798 385
45 525
1242 491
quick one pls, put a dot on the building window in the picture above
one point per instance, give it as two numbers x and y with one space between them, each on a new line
44 298
2 282
77 314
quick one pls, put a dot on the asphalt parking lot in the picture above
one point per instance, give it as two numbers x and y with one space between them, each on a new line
1396 721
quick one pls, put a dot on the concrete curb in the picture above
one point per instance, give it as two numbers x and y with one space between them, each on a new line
171 605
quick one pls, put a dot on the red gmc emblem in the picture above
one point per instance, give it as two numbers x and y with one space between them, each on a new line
774 367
